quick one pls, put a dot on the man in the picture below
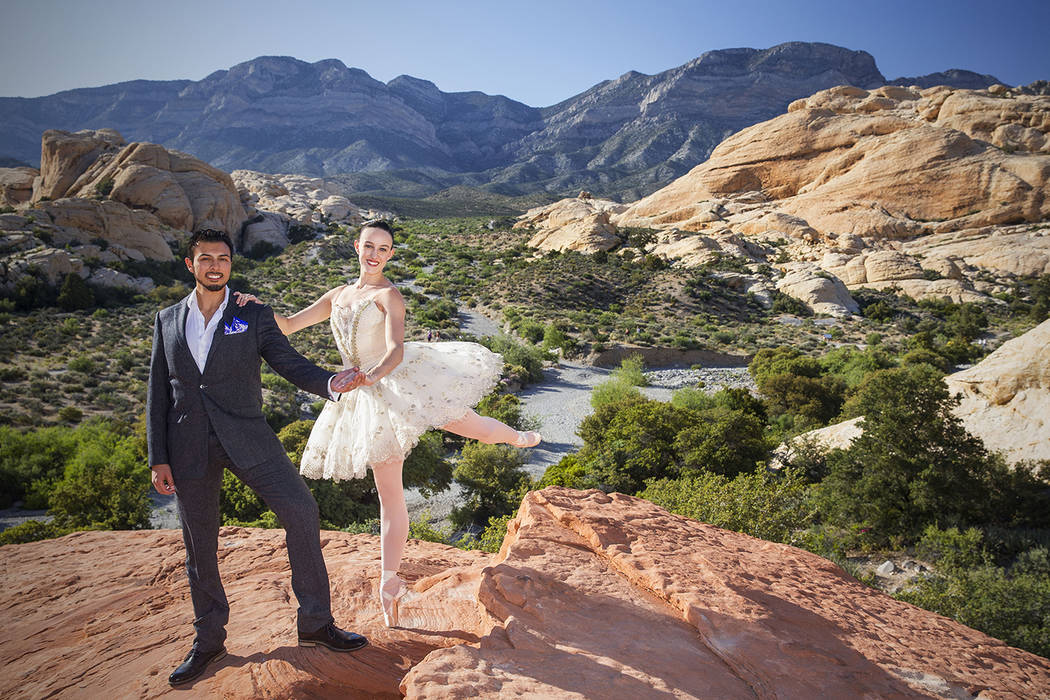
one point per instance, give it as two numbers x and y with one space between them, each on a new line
204 409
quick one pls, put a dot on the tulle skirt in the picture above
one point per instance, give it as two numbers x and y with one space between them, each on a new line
435 384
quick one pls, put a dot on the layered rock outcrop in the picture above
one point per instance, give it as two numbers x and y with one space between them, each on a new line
592 595
181 191
580 224
1006 396
1005 401
915 190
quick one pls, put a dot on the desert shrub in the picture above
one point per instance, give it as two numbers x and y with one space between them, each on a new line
723 441
503 407
763 504
1012 604
82 363
631 371
31 462
915 464
493 482
425 466
614 392
75 293
784 304
105 482
629 442
32 531
692 399
566 472
531 331
554 338
528 357
817 400
491 538
853 365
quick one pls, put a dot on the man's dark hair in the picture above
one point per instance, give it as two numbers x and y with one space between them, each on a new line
379 224
209 235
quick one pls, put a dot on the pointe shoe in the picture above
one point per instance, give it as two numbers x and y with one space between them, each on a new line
389 600
529 438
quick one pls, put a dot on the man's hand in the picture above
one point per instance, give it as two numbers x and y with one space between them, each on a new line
347 380
162 480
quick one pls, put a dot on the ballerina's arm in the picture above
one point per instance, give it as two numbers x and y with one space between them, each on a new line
316 312
394 306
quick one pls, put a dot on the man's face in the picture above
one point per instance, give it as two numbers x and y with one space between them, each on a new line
210 265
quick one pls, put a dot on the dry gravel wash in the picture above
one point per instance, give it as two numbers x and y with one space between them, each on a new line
592 595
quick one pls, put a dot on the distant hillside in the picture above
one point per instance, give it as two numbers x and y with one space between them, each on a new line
406 138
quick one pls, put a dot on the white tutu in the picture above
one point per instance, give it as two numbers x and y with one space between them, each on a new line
435 384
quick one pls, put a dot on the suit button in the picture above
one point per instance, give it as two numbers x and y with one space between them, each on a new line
204 386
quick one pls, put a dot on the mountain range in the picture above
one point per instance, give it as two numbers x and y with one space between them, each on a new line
623 137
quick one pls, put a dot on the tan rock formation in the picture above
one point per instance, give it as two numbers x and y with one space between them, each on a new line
133 229
592 595
182 191
16 185
1006 396
895 172
64 157
580 224
302 199
823 293
176 189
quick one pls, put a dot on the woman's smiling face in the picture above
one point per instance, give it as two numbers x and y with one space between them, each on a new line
374 248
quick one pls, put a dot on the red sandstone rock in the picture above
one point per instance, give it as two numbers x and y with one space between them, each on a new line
591 596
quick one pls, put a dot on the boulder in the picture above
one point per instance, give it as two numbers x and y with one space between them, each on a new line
1006 396
105 277
304 200
591 595
132 229
581 224
265 227
64 157
180 190
16 185
822 292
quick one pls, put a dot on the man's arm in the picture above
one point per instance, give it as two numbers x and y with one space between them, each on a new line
157 401
157 405
288 363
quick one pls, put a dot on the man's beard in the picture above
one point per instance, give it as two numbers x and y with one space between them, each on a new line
213 287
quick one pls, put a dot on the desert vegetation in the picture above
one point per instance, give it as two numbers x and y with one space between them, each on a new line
74 361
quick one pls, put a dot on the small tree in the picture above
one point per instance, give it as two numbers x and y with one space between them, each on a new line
493 482
75 293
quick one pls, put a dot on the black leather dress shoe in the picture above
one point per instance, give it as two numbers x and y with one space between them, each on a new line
334 638
195 664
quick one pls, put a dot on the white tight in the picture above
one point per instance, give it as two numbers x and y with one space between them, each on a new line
393 513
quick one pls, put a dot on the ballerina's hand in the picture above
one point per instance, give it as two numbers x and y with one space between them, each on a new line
242 298
347 380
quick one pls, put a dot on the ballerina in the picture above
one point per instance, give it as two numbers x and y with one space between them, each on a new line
400 390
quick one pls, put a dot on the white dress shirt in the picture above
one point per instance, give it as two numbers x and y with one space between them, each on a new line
200 334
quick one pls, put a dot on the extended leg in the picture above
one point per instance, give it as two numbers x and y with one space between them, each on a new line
487 430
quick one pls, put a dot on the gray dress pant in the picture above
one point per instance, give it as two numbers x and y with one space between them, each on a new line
282 489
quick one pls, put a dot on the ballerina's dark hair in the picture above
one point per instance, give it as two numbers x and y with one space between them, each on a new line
379 224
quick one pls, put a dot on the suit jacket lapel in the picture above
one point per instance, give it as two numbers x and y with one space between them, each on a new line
181 312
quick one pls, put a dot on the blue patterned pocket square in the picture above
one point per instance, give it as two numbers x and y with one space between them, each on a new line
235 326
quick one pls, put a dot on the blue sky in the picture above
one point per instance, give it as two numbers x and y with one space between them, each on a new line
538 52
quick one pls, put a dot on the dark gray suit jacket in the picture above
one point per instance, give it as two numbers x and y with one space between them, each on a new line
181 400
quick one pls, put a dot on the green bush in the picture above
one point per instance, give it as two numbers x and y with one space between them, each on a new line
528 357
770 506
493 482
105 482
32 531
566 472
614 391
915 463
631 371
31 462
75 293
1012 604
724 441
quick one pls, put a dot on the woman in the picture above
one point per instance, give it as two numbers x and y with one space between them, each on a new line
400 390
